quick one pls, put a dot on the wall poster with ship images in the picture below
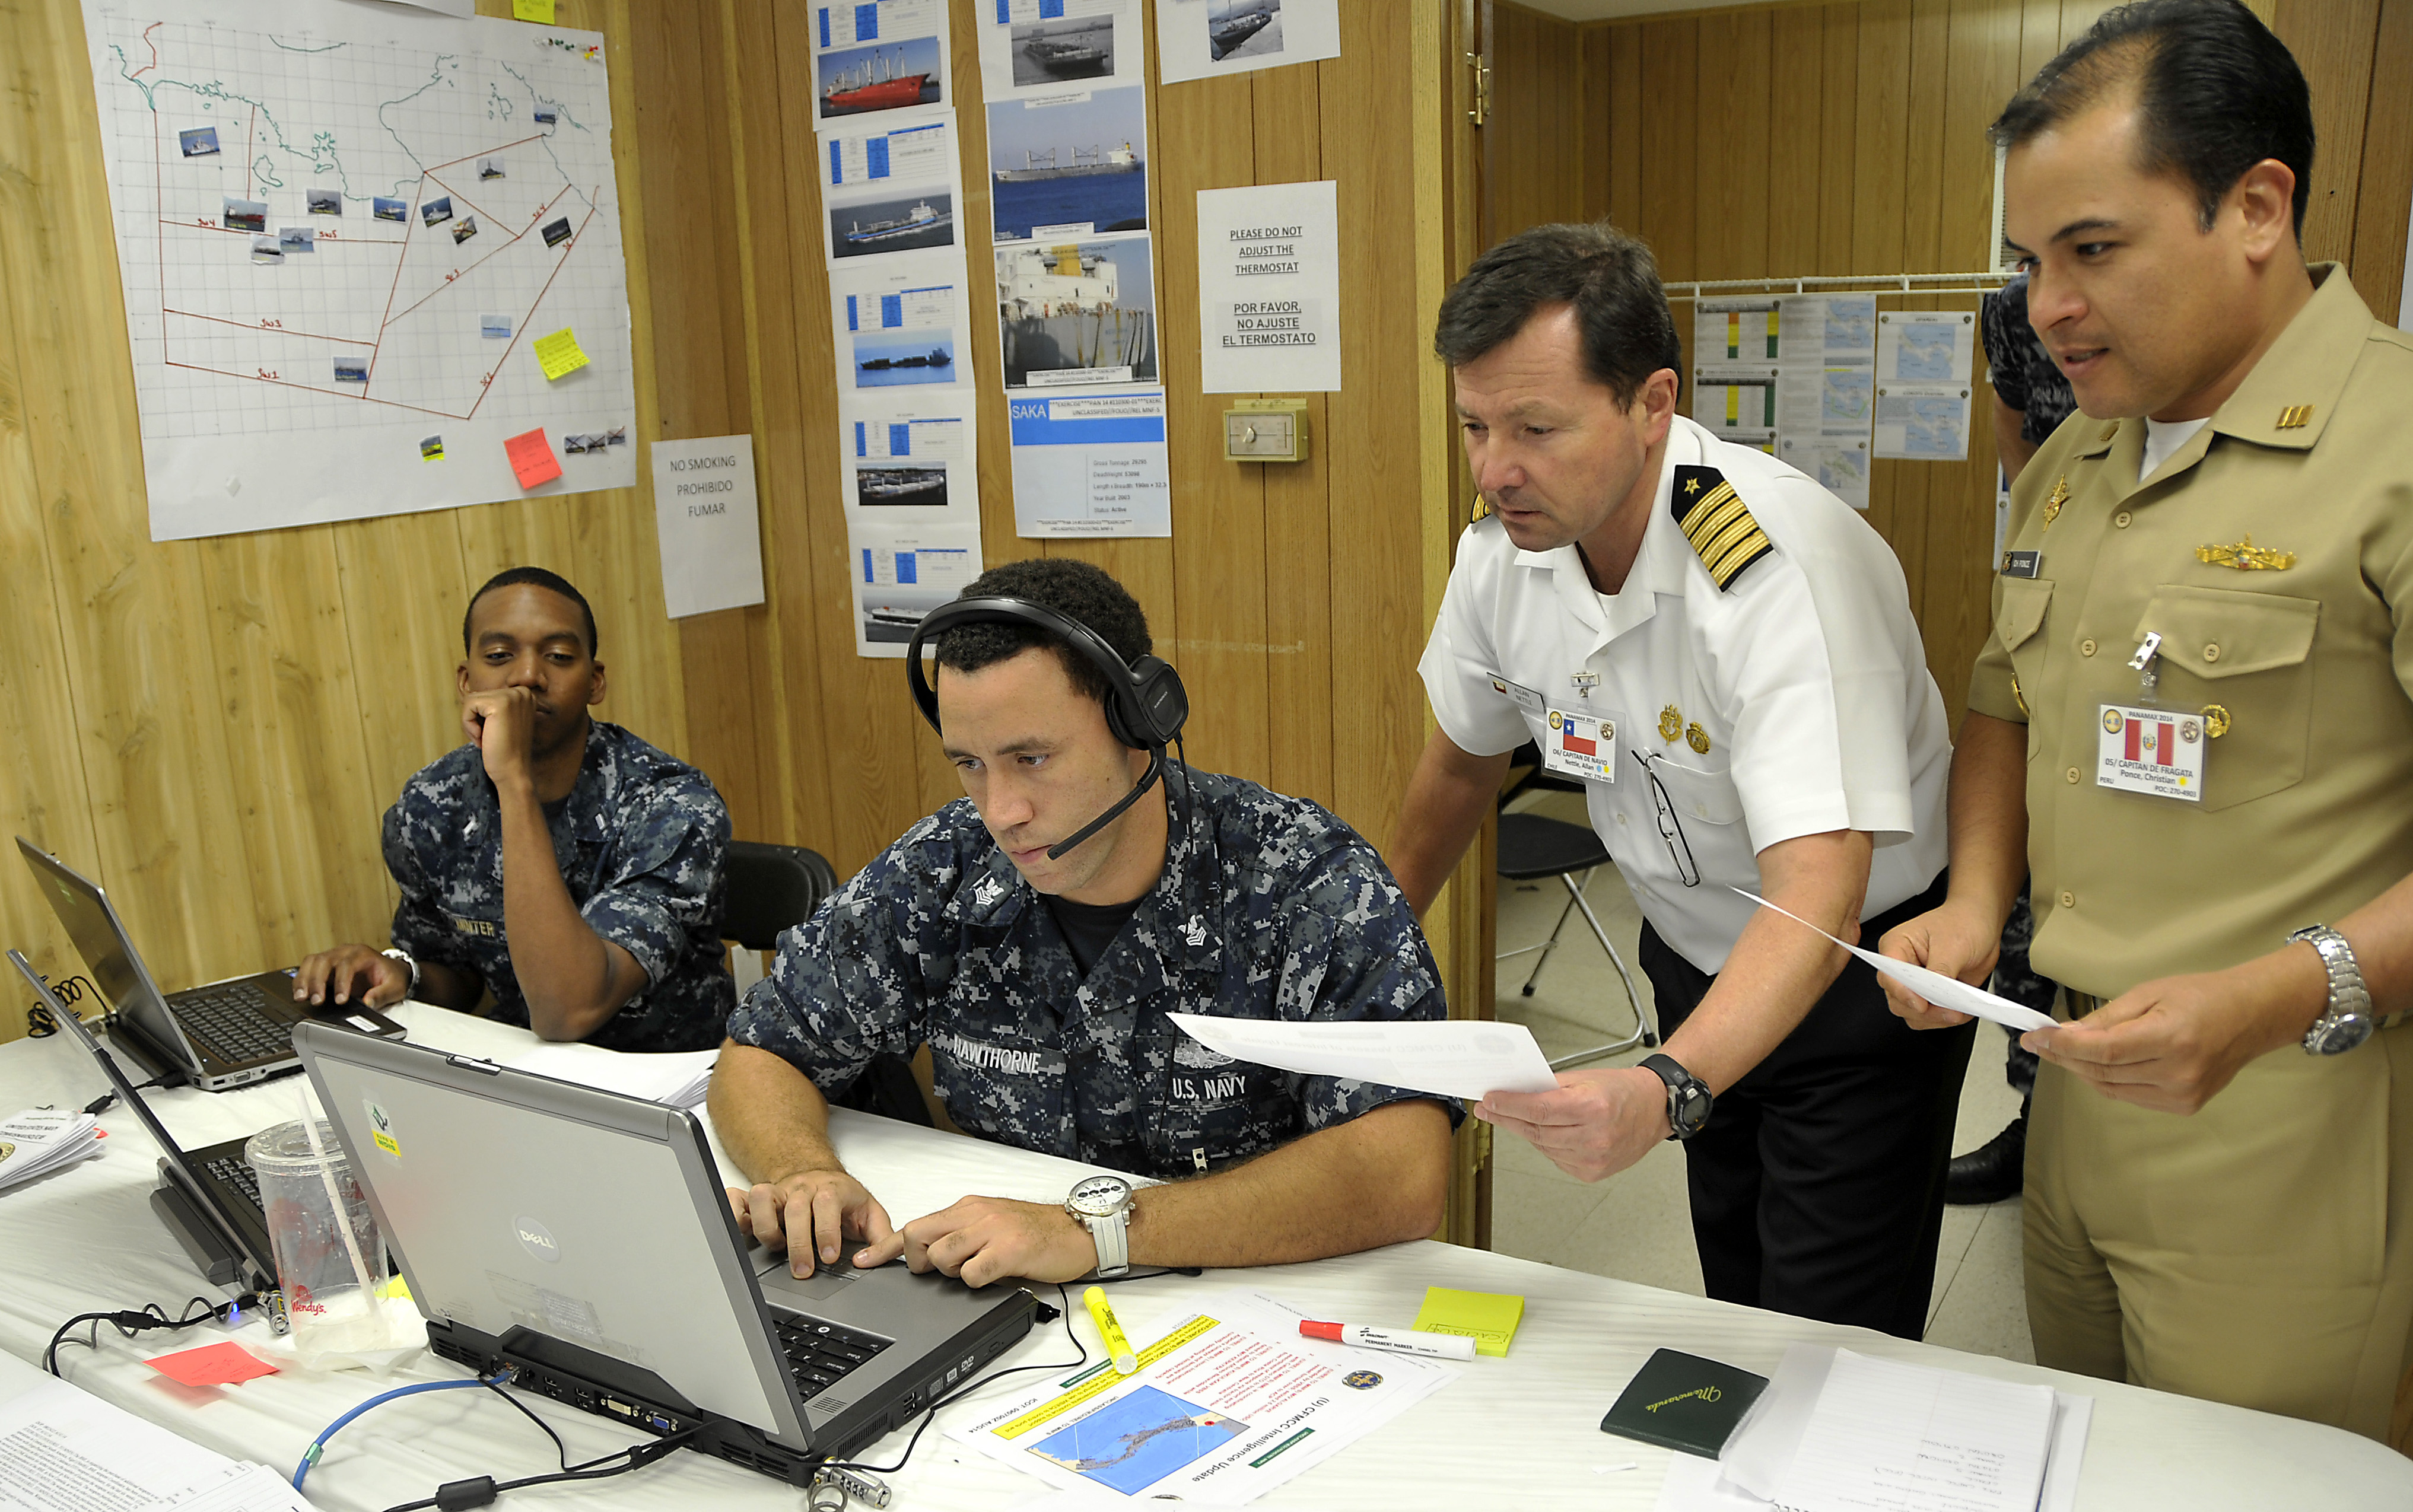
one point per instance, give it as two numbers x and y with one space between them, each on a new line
1064 165
890 186
1208 38
1048 47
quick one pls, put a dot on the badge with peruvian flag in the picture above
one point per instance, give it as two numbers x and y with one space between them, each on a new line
2156 751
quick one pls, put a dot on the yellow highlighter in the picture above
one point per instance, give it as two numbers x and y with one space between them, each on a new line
1110 1331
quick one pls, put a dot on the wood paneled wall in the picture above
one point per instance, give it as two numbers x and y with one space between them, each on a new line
213 728
1774 140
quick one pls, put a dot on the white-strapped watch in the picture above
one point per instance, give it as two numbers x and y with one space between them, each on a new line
2348 1020
1102 1204
407 964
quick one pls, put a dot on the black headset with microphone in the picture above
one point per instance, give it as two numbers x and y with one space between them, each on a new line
1145 706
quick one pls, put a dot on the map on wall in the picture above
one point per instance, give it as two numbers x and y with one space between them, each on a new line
371 257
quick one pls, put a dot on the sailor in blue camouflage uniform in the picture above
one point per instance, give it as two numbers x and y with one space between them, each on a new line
618 929
1041 986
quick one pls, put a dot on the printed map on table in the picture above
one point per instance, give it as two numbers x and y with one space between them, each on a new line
340 231
1134 1441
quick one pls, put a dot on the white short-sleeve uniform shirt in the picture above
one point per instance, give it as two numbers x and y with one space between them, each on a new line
1805 677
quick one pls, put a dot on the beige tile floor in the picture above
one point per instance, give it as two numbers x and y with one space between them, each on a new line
1635 1224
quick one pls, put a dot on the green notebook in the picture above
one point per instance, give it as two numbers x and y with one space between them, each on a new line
1682 1401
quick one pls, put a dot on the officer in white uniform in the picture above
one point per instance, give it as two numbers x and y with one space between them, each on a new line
1724 652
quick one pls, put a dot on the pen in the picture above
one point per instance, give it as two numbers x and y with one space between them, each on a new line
1110 1331
1398 1340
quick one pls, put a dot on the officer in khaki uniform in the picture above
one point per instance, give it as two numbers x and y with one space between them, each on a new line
2203 621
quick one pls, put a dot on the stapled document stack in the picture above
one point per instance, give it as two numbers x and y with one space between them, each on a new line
679 1080
39 1140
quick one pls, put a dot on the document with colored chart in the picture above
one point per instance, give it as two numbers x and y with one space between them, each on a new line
1229 1402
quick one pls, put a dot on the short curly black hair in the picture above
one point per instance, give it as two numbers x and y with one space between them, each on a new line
533 577
1071 588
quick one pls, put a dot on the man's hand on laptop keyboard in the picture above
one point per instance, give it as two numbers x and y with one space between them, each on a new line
981 1239
813 1211
352 973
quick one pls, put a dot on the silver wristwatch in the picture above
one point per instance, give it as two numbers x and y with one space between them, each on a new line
1102 1204
2348 1022
409 965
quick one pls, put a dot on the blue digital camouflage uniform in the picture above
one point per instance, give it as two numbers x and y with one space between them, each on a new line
641 841
1268 908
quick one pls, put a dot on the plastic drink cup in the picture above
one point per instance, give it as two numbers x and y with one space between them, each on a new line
330 1258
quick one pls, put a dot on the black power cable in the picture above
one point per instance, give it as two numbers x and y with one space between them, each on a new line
149 1316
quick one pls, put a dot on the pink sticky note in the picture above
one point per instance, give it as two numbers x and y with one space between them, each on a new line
532 459
221 1364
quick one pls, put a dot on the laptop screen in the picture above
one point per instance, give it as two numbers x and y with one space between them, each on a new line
206 1191
92 924
517 1201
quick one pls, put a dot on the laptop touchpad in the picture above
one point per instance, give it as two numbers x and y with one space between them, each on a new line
823 1284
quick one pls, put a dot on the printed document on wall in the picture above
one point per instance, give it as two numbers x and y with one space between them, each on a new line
1826 396
1090 463
341 231
877 59
1924 360
1077 314
889 187
911 459
1046 47
707 521
1067 166
1269 289
901 573
1210 38
899 324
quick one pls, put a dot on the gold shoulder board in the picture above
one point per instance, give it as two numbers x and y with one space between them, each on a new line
1714 519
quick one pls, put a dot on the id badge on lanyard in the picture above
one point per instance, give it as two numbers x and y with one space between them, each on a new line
2145 748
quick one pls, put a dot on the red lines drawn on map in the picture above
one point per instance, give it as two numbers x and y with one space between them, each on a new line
448 296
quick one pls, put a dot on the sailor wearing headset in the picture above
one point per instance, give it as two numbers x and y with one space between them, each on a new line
1035 935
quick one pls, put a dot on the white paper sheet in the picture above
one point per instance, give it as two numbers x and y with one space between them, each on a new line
1090 463
707 524
61 1446
1924 360
1450 1058
300 391
1208 38
879 60
902 323
912 457
1077 313
1942 991
890 186
678 1078
1269 289
901 573
1886 1435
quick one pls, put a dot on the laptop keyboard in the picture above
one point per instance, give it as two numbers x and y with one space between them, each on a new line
228 1171
819 1353
233 1023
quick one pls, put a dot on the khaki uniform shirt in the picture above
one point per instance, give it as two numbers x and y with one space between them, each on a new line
2274 553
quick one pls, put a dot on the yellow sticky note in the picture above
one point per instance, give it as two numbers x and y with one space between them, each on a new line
559 353
538 11
1487 1317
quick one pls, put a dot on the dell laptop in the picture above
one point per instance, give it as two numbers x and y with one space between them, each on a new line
225 1034
585 1239
208 1198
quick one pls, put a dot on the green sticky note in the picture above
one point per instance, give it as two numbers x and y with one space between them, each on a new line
1487 1317
538 11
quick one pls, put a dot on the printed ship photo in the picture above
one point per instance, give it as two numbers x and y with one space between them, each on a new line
1235 27
893 226
1077 47
859 80
1077 309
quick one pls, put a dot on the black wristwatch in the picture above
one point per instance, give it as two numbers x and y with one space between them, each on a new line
1688 1098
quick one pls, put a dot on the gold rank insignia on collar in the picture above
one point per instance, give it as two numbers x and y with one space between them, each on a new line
2053 505
1479 511
1714 519
2245 557
2294 418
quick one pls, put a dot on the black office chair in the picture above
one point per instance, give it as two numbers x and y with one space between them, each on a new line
772 888
775 887
1533 847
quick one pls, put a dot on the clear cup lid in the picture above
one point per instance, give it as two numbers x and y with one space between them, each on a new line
284 1149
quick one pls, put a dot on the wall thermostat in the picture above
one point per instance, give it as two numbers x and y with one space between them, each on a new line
1265 429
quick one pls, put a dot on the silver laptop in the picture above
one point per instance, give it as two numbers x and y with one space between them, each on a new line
208 1197
584 1239
224 1034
